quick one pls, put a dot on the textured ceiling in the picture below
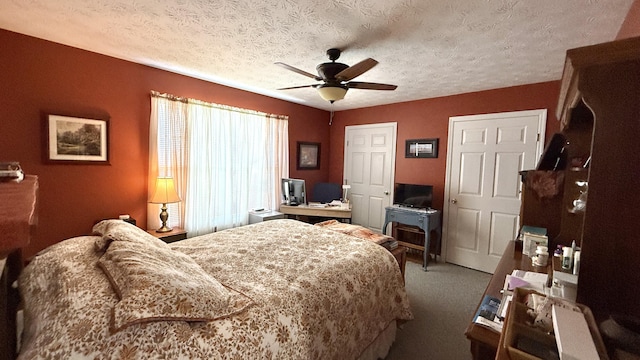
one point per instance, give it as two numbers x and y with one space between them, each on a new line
429 48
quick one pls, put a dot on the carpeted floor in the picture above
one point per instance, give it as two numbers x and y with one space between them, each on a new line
443 301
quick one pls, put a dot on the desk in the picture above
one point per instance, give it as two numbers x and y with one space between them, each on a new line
484 342
426 220
334 212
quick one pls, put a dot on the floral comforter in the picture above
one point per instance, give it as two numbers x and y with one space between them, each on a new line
279 289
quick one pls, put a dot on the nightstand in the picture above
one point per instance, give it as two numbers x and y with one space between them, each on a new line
174 235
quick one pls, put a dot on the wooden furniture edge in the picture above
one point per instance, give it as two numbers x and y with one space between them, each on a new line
9 304
400 253
586 56
482 338
176 234
336 212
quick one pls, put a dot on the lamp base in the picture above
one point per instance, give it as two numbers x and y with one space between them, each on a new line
164 229
164 216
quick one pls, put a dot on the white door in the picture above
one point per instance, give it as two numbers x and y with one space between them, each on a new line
482 186
370 153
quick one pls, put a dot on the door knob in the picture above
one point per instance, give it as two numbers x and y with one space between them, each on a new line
386 193
454 201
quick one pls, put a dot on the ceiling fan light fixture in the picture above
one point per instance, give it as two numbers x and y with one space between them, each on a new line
332 93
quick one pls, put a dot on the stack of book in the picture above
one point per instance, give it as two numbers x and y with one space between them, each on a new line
491 313
390 244
11 171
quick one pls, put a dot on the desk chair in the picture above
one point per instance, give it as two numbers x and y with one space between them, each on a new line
326 192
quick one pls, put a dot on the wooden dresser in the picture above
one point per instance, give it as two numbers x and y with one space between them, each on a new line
599 111
484 342
18 219
601 86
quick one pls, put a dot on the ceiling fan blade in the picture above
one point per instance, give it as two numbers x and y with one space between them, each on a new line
356 70
297 87
370 86
296 70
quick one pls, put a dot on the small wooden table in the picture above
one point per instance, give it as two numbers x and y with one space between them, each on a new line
334 212
175 234
426 220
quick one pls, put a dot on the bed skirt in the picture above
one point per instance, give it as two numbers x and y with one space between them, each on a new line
379 349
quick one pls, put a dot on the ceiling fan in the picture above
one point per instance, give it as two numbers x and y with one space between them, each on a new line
337 77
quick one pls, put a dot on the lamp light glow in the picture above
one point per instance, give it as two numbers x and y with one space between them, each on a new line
164 194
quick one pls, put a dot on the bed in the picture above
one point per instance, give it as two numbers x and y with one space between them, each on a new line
279 289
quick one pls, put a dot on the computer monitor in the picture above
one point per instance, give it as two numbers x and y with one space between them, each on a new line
294 191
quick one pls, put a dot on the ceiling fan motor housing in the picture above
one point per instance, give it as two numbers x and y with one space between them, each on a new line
333 54
328 71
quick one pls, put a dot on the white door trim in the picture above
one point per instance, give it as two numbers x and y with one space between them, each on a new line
542 125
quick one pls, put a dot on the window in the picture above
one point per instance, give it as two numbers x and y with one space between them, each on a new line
225 161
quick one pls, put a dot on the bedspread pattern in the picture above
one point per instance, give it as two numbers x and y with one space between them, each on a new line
317 294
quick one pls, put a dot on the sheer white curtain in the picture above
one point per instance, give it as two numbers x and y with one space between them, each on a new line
167 155
226 161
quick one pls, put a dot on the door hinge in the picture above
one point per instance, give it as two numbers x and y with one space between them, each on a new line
538 138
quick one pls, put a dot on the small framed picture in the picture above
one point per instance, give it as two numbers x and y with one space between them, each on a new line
75 140
421 148
308 156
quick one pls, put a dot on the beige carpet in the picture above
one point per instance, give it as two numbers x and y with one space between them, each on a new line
443 301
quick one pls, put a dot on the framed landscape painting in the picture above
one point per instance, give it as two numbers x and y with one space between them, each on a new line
308 156
76 140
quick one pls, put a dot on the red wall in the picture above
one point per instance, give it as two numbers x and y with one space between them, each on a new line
631 25
40 77
429 118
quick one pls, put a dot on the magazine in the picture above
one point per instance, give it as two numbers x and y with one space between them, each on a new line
490 313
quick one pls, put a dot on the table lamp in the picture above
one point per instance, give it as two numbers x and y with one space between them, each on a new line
164 194
345 189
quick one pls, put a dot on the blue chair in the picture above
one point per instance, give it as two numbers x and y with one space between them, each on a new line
326 192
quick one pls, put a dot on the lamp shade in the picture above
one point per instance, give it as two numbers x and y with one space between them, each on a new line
165 192
332 92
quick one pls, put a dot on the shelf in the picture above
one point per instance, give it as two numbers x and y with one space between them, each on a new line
413 238
411 229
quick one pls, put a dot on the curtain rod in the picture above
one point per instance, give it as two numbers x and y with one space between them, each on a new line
215 106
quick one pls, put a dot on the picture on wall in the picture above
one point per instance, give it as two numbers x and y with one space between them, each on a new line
76 140
421 148
308 156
